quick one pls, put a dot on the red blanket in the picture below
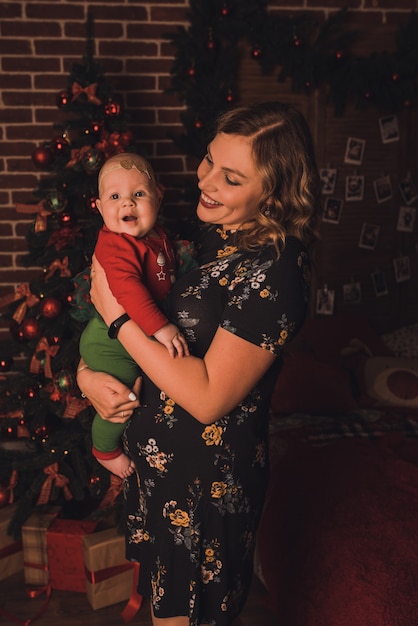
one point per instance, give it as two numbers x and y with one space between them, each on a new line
338 543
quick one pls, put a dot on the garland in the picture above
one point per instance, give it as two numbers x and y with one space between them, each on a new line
310 54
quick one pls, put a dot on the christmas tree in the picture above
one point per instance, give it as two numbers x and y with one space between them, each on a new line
44 421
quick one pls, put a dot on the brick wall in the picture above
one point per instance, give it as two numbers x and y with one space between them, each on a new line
39 42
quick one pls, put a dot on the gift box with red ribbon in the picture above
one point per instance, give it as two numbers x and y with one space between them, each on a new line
11 555
109 576
65 553
35 556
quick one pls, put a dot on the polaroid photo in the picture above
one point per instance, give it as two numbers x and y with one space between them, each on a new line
389 129
406 219
354 188
325 301
408 191
328 179
332 210
352 293
382 189
402 269
379 284
354 151
369 236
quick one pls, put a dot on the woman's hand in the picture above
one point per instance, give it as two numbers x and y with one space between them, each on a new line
113 400
102 298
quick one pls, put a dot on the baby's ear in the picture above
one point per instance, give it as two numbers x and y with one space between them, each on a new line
160 192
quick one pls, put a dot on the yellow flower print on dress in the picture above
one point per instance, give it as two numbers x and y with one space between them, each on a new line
213 435
227 251
218 489
179 518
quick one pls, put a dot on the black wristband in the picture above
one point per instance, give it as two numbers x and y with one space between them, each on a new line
115 326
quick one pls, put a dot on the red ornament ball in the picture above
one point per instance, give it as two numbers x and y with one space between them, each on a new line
91 204
6 363
126 138
4 496
50 307
256 52
30 329
63 99
112 109
59 145
42 157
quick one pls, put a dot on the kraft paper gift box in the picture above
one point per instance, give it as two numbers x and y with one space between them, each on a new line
65 553
109 576
11 555
35 555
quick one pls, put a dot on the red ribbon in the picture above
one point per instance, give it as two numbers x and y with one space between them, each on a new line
135 601
107 572
62 266
50 351
74 406
44 568
32 594
53 477
42 214
23 291
90 92
77 155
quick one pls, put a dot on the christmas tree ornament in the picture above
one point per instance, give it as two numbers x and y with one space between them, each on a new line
256 51
91 160
64 381
59 145
224 10
63 99
30 329
126 138
66 218
112 109
91 204
42 157
55 201
31 392
50 307
6 363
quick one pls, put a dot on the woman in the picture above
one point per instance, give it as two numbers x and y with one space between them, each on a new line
200 437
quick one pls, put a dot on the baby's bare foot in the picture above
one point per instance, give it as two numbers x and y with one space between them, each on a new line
121 466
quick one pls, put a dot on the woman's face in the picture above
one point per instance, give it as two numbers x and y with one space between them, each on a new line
229 182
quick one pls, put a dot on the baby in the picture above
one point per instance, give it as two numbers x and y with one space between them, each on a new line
139 262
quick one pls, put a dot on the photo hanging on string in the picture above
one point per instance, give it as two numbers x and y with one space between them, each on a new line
332 210
328 179
406 219
389 129
369 236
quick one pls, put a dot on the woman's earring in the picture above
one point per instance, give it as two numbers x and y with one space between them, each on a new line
267 210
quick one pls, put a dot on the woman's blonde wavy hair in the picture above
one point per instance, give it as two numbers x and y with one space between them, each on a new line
284 156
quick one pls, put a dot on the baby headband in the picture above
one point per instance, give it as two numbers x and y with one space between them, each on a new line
126 164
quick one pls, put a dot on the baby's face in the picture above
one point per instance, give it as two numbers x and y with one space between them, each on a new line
128 201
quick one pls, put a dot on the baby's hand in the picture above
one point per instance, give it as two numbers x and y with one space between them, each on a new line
170 336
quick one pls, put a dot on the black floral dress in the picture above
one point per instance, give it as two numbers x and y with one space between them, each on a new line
194 504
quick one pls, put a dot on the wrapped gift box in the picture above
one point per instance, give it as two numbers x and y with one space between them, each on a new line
109 576
35 556
65 553
11 555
